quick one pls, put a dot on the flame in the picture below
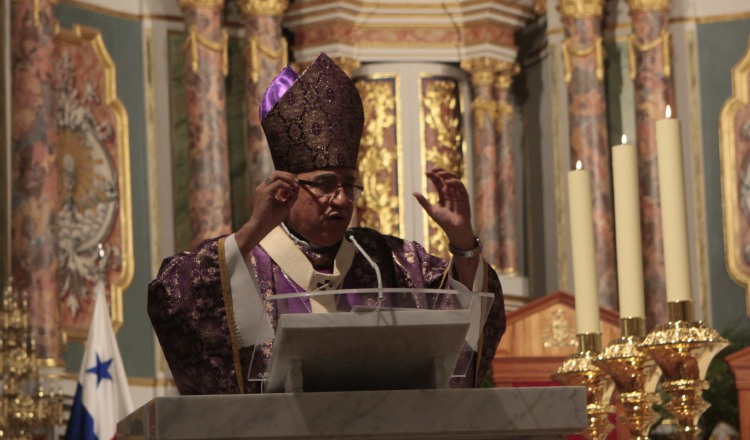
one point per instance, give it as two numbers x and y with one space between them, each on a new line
579 165
624 139
669 111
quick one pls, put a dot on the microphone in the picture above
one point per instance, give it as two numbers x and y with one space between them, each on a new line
350 236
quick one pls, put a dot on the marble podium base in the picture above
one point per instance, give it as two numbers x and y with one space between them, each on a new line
484 413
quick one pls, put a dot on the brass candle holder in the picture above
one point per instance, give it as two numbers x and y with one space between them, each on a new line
579 370
635 375
683 348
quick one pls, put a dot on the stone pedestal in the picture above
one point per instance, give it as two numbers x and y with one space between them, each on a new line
482 413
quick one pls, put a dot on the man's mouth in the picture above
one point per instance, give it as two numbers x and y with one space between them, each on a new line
335 216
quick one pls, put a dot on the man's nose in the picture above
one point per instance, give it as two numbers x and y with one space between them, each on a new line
339 197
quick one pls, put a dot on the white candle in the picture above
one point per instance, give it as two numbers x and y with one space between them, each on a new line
673 211
628 230
582 245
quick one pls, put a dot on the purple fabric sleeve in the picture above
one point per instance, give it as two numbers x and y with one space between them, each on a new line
276 90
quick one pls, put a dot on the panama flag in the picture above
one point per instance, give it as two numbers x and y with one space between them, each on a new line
102 398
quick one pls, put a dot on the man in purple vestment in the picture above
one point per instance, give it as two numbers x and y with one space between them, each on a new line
207 305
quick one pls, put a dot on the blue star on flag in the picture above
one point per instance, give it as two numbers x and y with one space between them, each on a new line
101 369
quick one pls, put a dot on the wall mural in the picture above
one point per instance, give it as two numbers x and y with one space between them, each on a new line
94 163
735 175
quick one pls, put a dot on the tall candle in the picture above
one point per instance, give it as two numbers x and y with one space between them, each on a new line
582 245
628 230
673 211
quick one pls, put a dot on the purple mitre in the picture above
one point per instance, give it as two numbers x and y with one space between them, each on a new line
276 90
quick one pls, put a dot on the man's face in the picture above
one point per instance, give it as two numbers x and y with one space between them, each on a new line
322 220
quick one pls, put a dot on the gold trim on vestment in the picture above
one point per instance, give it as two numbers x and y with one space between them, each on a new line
226 291
295 264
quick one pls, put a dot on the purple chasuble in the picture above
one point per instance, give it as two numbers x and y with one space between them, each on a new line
187 308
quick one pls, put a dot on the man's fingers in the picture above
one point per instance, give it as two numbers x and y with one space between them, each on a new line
427 206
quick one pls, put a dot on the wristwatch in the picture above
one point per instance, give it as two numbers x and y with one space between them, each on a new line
459 253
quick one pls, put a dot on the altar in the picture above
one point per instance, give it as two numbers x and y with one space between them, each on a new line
480 413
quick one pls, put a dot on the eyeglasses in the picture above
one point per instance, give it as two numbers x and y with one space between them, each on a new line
331 189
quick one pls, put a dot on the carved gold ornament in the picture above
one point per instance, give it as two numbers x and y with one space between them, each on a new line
581 8
274 8
201 3
440 112
379 204
506 73
649 5
193 40
484 108
484 70
254 49
559 332
663 40
569 51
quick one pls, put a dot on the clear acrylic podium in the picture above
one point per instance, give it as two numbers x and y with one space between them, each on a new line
368 339
372 364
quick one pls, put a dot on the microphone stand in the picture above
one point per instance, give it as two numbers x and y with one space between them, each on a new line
350 236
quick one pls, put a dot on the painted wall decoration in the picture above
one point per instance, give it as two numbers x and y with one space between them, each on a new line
735 175
94 163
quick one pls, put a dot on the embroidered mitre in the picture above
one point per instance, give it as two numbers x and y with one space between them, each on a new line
313 120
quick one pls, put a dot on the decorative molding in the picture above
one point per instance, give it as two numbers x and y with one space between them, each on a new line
580 8
568 51
194 4
648 5
487 71
254 49
221 46
734 131
273 8
664 41
505 75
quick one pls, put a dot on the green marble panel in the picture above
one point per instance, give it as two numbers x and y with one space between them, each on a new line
619 91
720 46
236 137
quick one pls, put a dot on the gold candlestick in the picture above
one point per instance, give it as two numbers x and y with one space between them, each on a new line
579 370
683 348
635 375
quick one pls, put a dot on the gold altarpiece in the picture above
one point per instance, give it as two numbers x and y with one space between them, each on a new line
414 120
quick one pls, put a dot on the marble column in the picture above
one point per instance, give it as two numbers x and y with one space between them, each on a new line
266 53
207 64
506 165
34 174
494 170
650 65
584 76
485 173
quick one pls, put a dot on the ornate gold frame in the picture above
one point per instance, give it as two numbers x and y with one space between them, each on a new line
729 177
80 35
